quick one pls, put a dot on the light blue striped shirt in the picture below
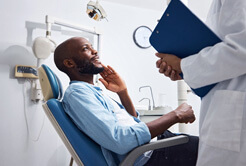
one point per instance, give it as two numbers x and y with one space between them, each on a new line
93 113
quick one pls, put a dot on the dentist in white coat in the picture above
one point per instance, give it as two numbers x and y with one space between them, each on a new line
223 109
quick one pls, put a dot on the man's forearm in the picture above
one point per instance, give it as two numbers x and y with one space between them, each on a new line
127 102
161 124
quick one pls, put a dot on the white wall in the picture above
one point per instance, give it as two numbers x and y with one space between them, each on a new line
27 137
200 8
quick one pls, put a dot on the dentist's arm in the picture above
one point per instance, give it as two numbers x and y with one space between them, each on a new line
113 82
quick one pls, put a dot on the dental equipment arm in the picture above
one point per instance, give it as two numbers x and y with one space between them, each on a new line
44 46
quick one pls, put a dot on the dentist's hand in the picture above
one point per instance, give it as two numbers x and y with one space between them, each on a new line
169 65
185 113
111 80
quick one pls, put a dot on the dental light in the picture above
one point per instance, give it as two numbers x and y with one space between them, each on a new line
43 47
95 11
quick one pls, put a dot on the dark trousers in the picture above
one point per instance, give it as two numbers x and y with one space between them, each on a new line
178 155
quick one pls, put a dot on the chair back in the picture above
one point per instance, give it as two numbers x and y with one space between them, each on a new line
83 149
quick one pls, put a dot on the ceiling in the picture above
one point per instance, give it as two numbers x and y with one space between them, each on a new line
157 5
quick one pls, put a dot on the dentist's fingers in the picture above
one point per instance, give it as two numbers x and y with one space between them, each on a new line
173 75
168 71
161 55
158 63
163 67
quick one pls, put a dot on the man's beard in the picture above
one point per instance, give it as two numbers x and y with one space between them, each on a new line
86 67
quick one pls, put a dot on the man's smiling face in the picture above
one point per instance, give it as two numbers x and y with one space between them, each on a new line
86 58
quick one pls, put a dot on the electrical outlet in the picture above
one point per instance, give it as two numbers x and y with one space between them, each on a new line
26 71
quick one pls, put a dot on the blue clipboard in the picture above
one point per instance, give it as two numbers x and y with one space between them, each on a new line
181 33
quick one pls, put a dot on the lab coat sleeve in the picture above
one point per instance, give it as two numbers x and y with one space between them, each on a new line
225 60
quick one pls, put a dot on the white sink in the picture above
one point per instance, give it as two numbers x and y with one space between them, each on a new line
143 110
158 111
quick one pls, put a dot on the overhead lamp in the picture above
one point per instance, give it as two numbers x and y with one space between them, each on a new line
95 11
43 47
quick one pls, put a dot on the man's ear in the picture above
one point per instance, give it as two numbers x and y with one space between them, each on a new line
69 63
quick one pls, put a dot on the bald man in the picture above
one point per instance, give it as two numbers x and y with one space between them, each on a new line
116 127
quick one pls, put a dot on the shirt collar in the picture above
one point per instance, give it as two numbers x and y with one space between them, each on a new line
86 83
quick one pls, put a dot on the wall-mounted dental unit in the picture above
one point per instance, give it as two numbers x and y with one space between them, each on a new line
44 46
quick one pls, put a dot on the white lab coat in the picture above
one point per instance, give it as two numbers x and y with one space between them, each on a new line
223 109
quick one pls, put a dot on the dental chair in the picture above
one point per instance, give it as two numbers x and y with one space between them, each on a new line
82 148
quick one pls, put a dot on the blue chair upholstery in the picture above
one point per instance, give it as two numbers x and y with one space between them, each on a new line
83 149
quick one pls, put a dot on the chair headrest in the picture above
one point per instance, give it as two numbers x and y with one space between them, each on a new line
50 83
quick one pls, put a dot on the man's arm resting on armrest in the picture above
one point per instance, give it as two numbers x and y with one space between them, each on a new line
182 114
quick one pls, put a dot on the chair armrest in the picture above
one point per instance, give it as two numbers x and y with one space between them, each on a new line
135 153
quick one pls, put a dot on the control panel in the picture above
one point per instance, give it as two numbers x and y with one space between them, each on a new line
26 71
